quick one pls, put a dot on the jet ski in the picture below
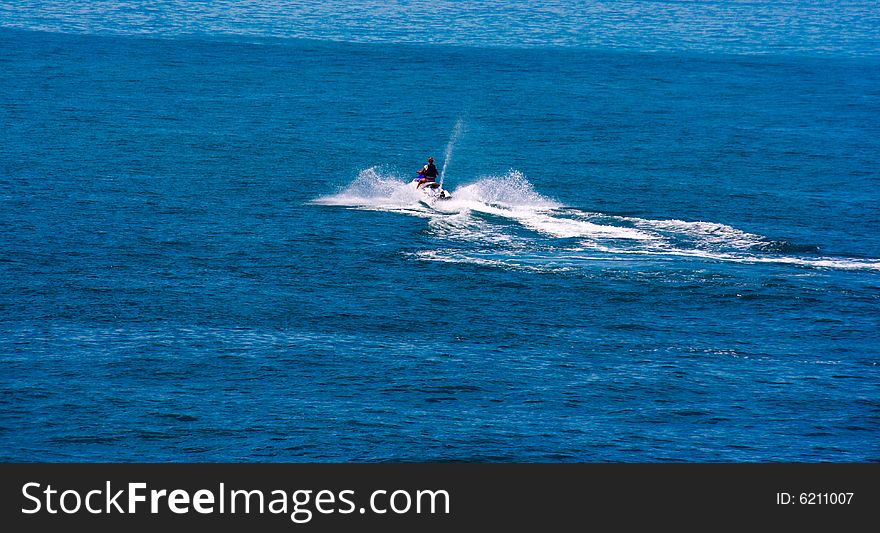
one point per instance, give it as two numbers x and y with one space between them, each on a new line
431 191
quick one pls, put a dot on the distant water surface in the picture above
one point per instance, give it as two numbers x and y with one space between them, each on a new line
803 27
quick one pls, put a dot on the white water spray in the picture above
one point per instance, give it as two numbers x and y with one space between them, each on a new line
493 212
456 132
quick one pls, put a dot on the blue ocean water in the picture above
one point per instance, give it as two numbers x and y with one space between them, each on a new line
662 242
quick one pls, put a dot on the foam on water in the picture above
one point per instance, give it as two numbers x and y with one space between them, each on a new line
512 190
506 214
374 188
560 227
837 263
701 233
377 187
464 227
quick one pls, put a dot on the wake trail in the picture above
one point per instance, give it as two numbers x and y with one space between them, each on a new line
503 220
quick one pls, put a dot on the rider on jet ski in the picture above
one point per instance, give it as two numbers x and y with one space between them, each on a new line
427 174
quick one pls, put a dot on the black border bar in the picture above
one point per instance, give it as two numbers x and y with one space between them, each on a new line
520 496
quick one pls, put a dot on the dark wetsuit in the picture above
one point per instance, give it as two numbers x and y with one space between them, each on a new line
431 172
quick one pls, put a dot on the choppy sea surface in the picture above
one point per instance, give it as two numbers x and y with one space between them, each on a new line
663 241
